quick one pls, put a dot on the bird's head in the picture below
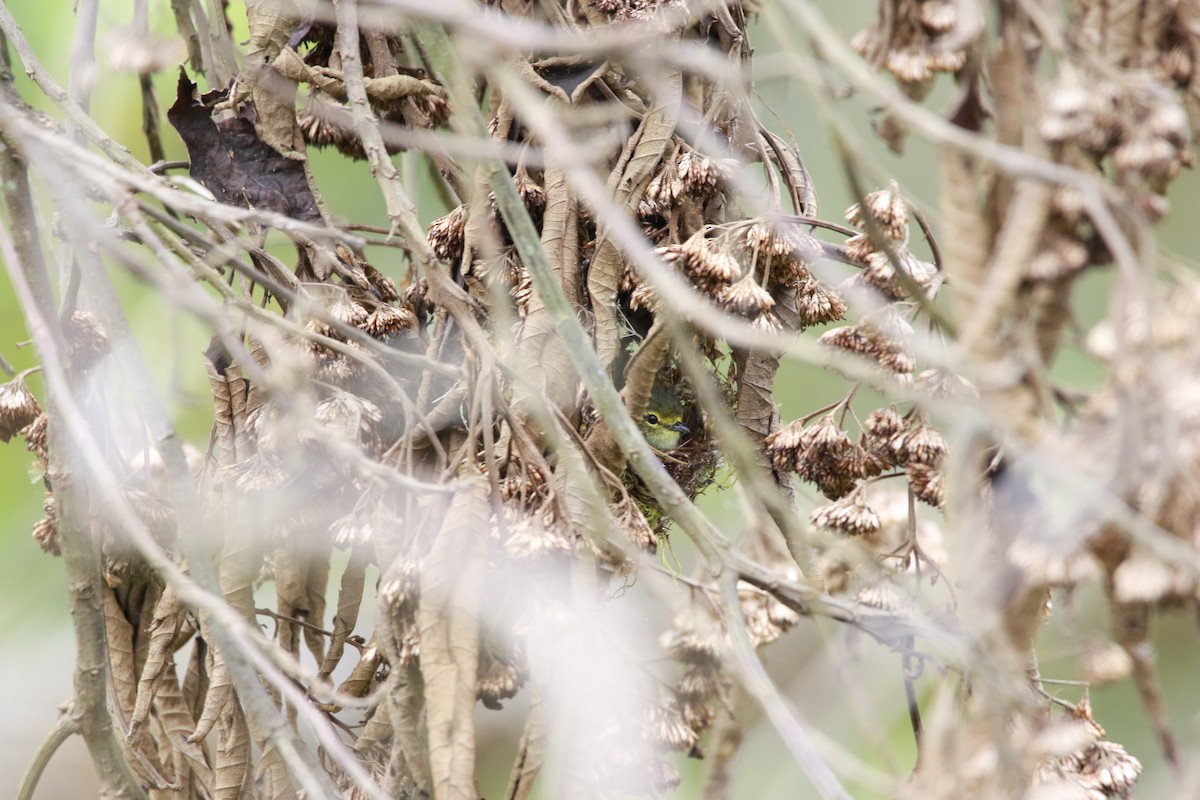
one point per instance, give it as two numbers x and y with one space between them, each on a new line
662 422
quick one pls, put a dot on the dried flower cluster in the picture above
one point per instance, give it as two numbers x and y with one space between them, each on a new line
882 339
907 45
912 41
18 408
1092 767
882 247
822 453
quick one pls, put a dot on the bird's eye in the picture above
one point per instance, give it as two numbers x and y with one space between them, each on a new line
652 419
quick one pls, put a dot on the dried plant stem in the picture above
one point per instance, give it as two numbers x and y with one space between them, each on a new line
759 685
240 647
83 54
27 273
400 209
63 729
708 540
1099 198
77 116
729 733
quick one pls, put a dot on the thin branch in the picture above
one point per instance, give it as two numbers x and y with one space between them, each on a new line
27 272
63 729
759 685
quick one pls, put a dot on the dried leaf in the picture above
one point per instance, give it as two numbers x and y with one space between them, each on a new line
448 618
219 696
162 631
229 390
241 559
119 635
406 700
359 682
376 731
301 575
140 748
535 743
642 156
541 347
234 769
271 24
173 713
233 163
349 601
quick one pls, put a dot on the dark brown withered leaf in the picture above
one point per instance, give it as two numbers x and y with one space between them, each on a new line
235 165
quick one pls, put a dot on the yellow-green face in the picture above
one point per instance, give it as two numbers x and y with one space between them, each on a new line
662 425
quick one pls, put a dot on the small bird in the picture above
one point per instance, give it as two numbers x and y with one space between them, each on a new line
662 424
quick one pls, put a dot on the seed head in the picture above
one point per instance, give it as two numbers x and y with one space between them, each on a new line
388 321
86 339
945 385
850 515
884 423
889 352
746 297
1048 562
766 618
18 408
816 304
687 645
447 235
859 247
669 729
883 596
532 194
35 438
710 268
828 458
780 241
919 443
45 530
938 16
500 682
880 273
537 535
700 683
1058 256
909 65
1142 578
927 484
1105 767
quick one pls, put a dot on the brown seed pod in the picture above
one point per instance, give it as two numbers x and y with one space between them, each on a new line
850 515
746 297
889 352
86 339
35 438
447 235
45 530
816 304
927 483
18 408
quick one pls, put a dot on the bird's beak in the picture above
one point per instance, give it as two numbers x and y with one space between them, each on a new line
680 428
